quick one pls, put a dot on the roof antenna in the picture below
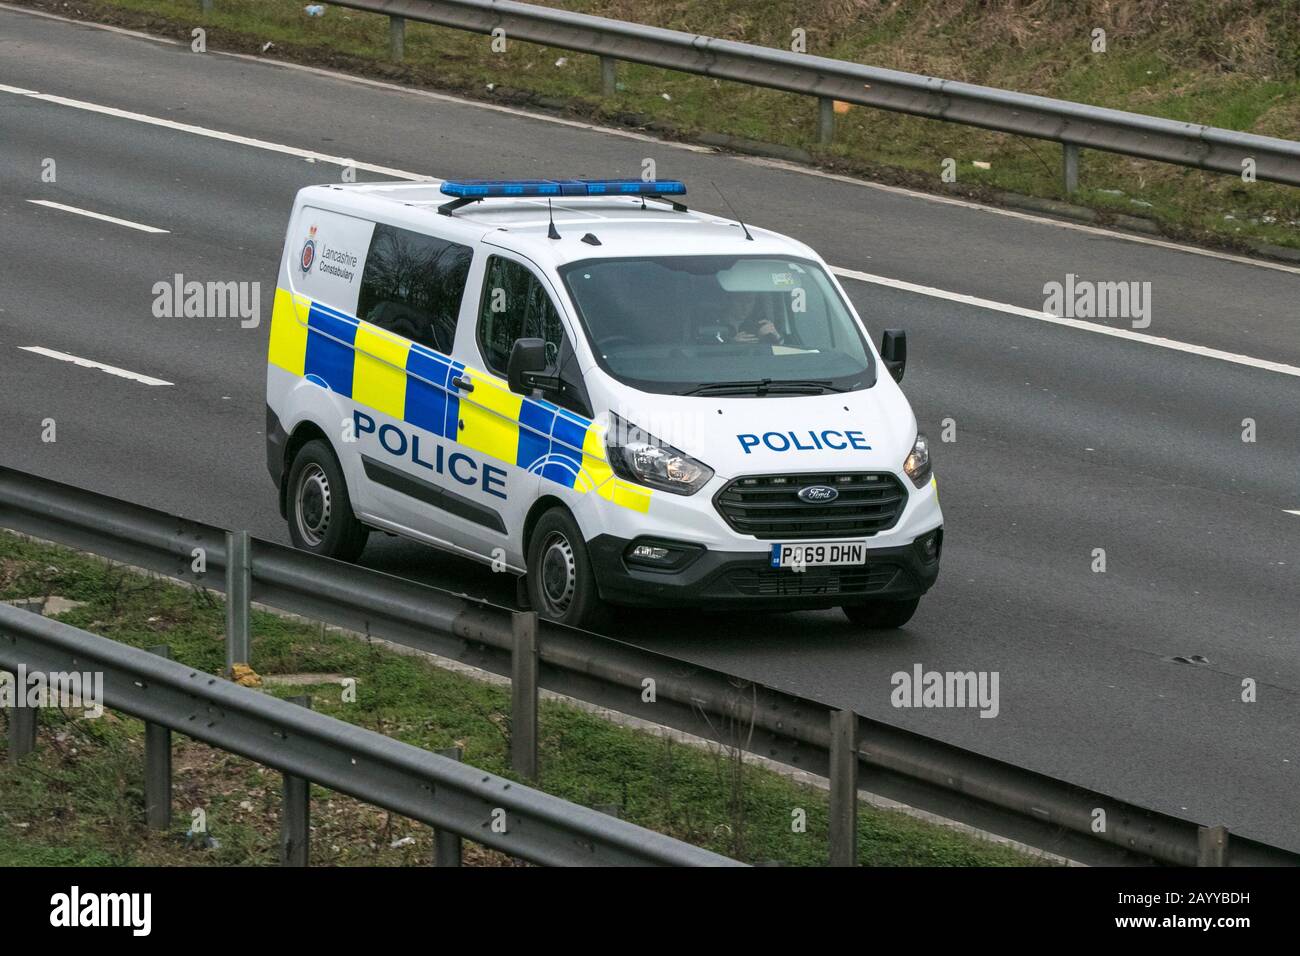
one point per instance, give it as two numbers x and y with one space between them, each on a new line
551 233
733 212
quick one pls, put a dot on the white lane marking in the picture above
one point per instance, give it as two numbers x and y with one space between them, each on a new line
847 273
1290 512
694 147
96 215
378 84
307 154
1041 316
87 363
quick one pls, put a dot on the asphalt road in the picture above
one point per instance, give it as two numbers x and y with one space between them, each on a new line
1066 440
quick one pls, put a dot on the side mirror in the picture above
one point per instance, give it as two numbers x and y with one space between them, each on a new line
893 350
527 357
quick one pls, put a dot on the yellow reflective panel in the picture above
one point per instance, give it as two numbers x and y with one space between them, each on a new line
287 348
379 370
489 416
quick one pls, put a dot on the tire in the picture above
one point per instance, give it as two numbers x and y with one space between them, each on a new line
881 615
320 512
561 584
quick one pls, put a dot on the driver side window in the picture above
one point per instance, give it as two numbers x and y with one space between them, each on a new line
514 305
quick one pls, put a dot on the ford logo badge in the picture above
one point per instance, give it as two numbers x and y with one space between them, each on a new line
817 494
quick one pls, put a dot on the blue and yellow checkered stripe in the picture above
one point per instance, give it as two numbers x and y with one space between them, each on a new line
412 383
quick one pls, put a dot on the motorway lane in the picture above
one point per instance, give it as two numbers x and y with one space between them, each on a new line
1202 558
966 250
87 289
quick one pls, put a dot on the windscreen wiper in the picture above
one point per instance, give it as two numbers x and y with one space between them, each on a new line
762 387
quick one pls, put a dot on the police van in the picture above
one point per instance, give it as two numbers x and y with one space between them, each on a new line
587 384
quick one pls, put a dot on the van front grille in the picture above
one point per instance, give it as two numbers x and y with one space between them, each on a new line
769 506
782 582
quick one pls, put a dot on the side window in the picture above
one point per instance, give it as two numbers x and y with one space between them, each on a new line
412 285
515 305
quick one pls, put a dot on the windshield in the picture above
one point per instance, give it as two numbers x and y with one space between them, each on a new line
719 325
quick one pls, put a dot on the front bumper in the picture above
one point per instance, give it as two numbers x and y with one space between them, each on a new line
747 580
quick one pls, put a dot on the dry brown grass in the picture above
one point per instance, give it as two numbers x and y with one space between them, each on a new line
1252 37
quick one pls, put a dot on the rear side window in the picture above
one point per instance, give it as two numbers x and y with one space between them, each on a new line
515 305
413 284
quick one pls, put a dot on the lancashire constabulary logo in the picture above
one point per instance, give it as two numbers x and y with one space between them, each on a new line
309 250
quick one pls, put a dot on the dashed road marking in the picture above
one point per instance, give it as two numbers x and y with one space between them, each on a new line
97 215
87 363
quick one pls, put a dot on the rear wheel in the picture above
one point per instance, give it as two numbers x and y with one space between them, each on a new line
320 512
881 615
561 583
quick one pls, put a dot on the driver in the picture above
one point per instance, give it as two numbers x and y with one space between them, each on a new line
747 324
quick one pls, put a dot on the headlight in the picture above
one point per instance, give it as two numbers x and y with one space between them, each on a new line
917 464
638 456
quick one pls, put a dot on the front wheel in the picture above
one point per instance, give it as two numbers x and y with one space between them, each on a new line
561 584
320 512
881 615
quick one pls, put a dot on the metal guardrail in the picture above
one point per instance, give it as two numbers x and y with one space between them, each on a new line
1074 125
307 746
959 784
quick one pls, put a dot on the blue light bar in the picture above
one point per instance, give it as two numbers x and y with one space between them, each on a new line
491 188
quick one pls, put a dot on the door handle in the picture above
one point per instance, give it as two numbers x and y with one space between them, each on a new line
463 384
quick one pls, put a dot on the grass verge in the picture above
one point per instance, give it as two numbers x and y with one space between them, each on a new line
79 798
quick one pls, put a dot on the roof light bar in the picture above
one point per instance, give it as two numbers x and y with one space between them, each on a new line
496 188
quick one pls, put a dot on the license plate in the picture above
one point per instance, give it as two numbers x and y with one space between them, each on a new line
818 555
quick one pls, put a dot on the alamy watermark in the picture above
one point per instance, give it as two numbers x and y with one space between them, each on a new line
1077 298
948 689
179 299
75 689
74 909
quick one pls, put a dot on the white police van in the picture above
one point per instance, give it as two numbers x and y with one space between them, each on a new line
586 383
